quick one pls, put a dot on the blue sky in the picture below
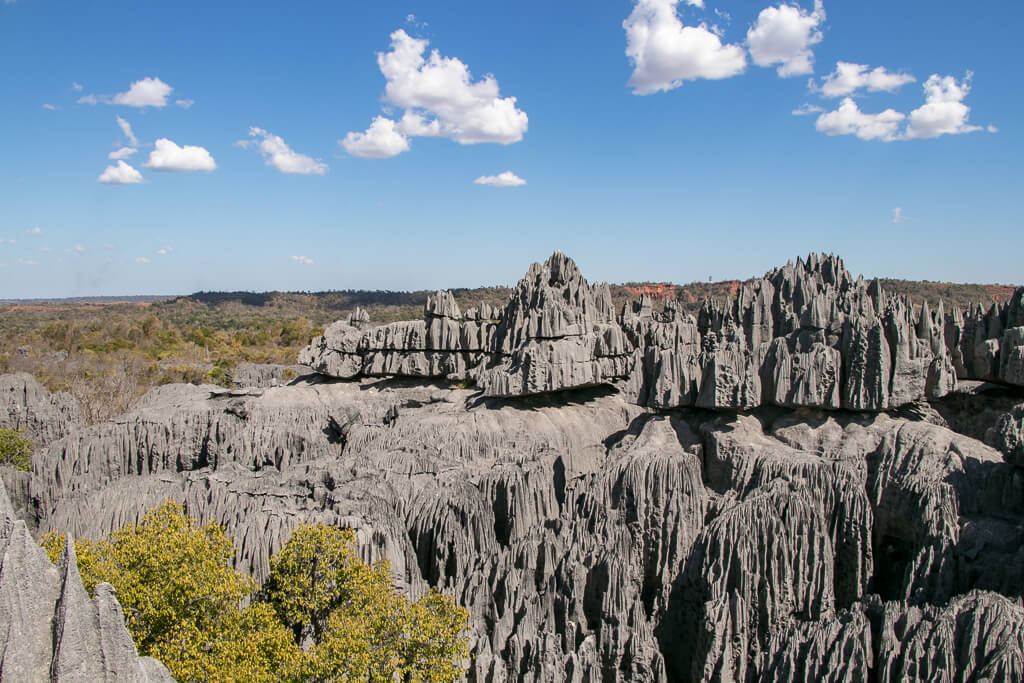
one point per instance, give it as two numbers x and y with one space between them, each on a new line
319 145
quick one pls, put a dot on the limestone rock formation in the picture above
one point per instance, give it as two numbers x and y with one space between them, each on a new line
805 335
800 483
44 417
51 629
593 539
263 375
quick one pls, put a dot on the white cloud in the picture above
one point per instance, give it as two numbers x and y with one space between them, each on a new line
380 141
898 216
27 262
303 260
122 153
79 249
784 35
167 156
506 179
849 77
126 128
665 53
282 157
50 107
45 250
440 99
148 92
122 174
34 232
77 87
185 104
848 119
164 251
805 109
88 99
943 111
992 129
142 259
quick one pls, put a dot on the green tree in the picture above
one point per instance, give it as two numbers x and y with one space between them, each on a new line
183 605
182 598
360 628
15 449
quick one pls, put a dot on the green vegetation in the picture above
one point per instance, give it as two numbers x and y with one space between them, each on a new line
15 449
324 615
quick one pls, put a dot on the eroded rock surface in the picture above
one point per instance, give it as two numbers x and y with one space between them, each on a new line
593 539
802 483
807 334
51 629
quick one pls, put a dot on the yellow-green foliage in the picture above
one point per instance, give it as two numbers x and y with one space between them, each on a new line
183 605
15 449
359 627
181 597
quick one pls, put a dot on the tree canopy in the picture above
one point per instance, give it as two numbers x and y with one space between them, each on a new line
15 449
323 615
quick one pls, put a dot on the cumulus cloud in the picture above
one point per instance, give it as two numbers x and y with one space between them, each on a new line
380 141
992 129
849 77
126 128
440 99
302 260
164 251
185 104
121 174
142 259
50 107
805 109
33 232
665 53
943 111
784 35
88 99
898 217
506 179
284 158
168 156
848 119
148 92
122 153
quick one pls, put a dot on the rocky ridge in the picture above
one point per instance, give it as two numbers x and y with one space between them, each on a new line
52 630
805 335
627 529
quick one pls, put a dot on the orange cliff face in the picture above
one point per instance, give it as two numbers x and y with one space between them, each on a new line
1001 292
695 292
659 291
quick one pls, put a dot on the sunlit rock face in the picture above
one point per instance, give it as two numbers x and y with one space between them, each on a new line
805 335
52 629
795 484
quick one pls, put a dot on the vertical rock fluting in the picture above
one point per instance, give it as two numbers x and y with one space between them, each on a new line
805 335
804 529
51 630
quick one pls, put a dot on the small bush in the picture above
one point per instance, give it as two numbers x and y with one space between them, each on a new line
15 449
